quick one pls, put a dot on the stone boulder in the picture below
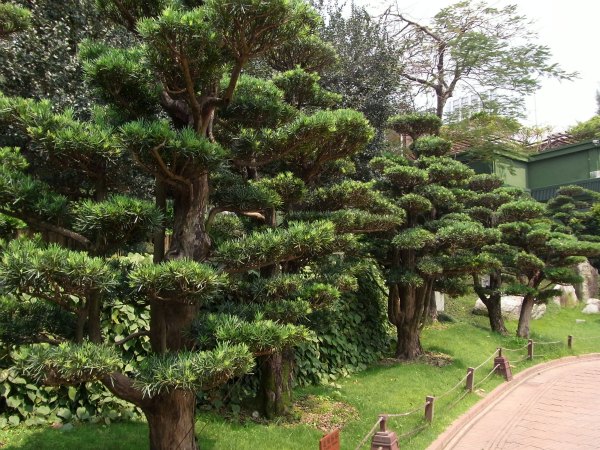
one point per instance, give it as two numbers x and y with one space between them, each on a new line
511 308
440 301
567 297
588 288
592 306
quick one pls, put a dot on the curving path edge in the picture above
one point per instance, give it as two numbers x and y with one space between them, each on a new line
548 406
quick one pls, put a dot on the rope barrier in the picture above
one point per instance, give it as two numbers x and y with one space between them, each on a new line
488 375
464 394
485 362
366 438
413 432
452 389
410 412
455 402
520 360
586 339
514 349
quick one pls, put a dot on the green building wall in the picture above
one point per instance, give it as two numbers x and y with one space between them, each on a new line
513 172
543 173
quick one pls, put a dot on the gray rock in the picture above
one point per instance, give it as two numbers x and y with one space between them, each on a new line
588 288
511 308
440 301
592 308
567 297
592 301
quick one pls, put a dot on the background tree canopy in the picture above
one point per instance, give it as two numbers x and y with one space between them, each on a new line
472 46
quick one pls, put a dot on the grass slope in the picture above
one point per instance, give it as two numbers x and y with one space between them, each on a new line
393 388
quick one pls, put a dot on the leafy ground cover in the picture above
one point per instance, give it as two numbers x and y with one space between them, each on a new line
388 387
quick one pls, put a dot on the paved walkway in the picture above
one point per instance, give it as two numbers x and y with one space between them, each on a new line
552 407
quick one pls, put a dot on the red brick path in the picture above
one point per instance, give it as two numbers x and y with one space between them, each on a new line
553 407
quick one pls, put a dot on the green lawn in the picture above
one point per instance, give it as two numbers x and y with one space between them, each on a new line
391 389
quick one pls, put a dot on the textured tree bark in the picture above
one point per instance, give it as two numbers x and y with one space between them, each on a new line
408 345
94 317
171 421
178 320
406 306
276 374
159 235
525 317
493 301
494 307
190 239
158 333
80 325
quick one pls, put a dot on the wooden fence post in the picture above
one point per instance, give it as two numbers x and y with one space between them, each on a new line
429 408
470 379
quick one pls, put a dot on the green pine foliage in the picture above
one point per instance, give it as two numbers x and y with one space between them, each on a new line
67 363
415 125
192 371
13 19
228 159
179 281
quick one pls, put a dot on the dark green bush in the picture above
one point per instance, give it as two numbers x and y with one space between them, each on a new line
350 335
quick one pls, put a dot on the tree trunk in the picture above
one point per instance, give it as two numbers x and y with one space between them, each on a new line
525 317
494 307
190 239
94 320
406 308
439 108
80 325
271 221
493 301
178 320
171 421
159 234
276 374
408 345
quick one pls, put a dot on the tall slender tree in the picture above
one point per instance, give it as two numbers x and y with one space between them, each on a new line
487 195
430 249
473 46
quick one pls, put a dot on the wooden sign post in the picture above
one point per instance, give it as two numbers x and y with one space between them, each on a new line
330 441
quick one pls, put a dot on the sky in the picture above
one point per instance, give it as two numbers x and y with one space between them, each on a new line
570 29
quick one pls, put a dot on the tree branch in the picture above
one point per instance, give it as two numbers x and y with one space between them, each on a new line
168 173
218 209
122 386
48 226
131 21
191 92
419 80
418 26
132 336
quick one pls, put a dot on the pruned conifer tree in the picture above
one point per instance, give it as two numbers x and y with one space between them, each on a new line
434 247
246 173
487 194
537 254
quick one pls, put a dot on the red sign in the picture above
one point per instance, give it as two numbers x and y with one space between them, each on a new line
330 441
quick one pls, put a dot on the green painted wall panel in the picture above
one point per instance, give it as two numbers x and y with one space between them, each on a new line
560 170
514 173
